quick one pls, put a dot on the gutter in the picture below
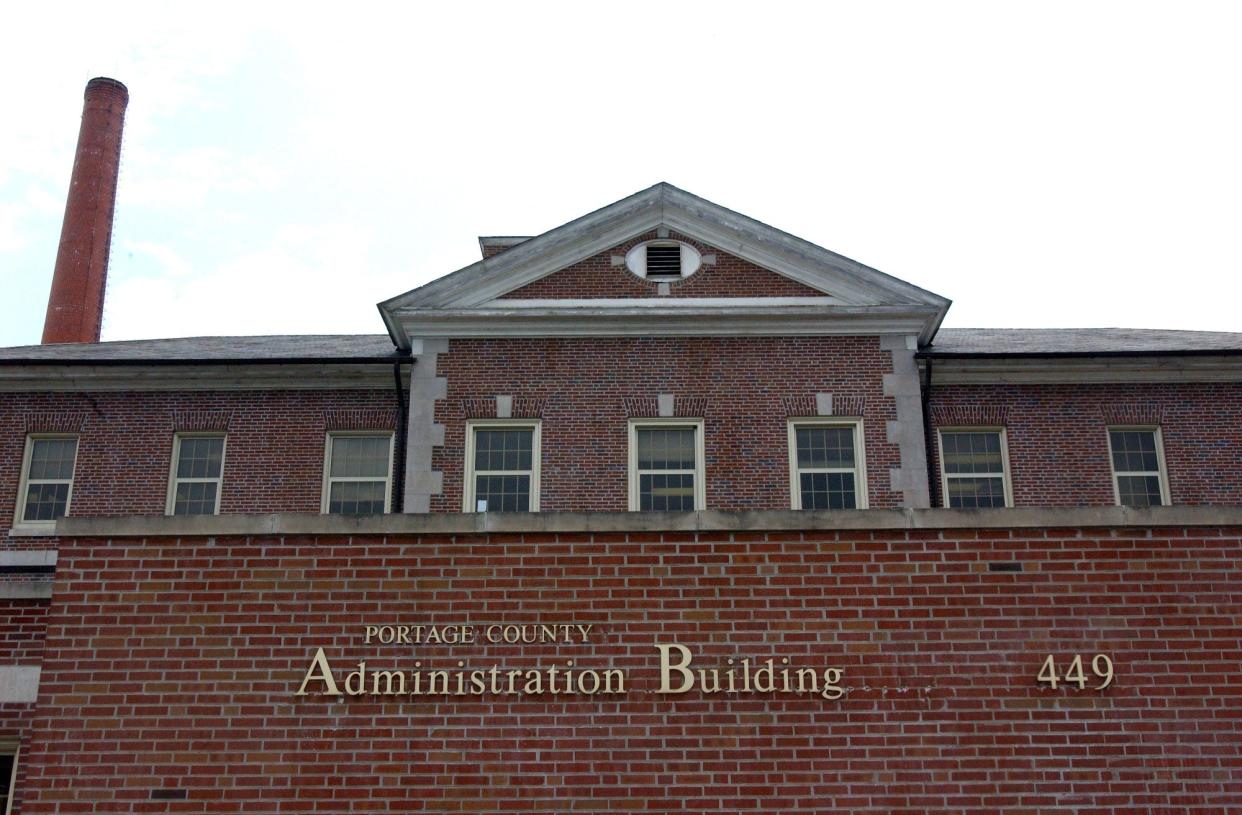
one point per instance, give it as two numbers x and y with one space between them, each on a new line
1185 352
113 362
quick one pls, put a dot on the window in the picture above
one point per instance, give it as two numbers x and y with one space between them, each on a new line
502 467
358 473
197 474
663 260
1138 466
47 479
827 468
666 465
974 468
8 775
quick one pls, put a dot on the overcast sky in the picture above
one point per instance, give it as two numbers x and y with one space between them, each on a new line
285 169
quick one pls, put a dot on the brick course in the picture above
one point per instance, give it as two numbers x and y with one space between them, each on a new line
172 664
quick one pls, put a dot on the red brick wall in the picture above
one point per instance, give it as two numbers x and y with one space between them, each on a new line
22 627
174 664
273 460
745 388
1058 439
730 277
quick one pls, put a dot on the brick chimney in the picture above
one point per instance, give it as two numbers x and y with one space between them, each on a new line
75 306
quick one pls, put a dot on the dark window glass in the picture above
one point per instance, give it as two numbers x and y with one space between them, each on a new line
356 498
503 449
974 493
7 765
1139 490
827 491
825 447
1134 451
195 498
46 502
671 492
503 493
200 457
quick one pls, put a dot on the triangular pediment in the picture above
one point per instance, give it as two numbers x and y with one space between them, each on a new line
479 291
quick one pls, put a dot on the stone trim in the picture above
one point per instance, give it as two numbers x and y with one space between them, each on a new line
425 434
910 479
1170 518
19 683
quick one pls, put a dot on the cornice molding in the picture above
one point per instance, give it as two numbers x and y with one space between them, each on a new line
1078 370
205 376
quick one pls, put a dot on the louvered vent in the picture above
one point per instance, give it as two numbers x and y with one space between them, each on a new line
663 261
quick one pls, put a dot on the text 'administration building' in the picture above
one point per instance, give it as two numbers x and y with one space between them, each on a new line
663 510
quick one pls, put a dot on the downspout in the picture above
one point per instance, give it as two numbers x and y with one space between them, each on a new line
933 483
398 481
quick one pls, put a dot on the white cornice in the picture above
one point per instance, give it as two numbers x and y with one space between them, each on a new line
1084 370
325 376
651 321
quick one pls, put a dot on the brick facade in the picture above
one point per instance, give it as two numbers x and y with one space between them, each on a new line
746 388
23 624
182 678
1058 436
730 276
273 463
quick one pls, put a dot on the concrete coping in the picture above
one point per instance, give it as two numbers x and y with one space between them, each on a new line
708 521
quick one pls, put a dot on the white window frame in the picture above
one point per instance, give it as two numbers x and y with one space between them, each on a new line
945 476
19 519
700 464
328 480
1162 473
469 474
859 469
171 500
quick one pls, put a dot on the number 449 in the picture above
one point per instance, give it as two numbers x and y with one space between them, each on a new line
1101 666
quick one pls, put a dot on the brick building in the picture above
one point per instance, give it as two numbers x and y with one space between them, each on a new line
661 510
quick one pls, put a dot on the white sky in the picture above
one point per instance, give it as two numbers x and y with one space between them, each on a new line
286 168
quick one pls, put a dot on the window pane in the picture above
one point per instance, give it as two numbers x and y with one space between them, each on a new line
1139 490
828 447
975 452
360 456
1134 451
52 459
503 449
45 502
827 491
6 779
972 493
356 498
666 492
666 448
503 493
195 498
200 457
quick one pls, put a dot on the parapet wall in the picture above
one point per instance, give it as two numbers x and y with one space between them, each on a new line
196 672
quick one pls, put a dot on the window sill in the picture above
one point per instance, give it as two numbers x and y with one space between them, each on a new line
31 531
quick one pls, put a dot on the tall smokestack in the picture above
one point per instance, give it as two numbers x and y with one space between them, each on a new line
75 306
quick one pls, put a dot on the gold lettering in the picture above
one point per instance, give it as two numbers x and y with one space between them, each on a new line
360 674
831 689
667 667
390 678
492 633
584 630
324 675
370 631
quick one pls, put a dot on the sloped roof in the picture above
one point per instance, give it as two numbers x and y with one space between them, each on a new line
254 349
1079 341
850 287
